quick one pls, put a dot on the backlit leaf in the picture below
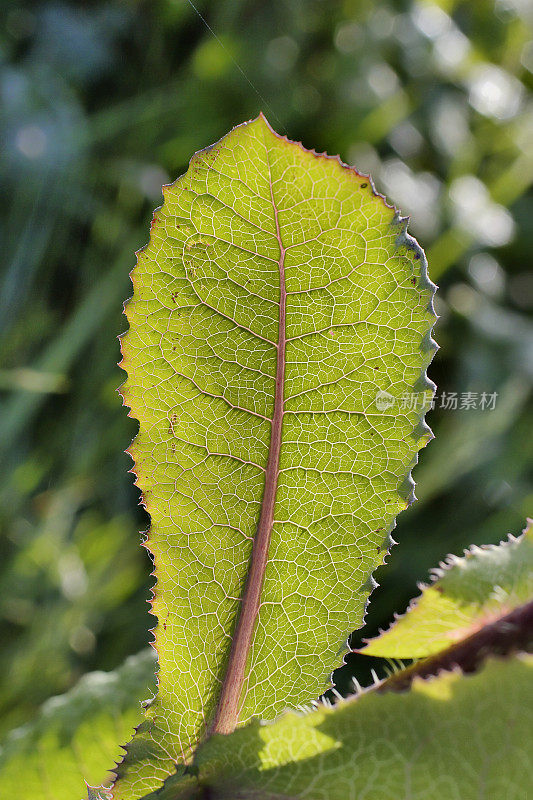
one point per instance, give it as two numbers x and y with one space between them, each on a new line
466 595
278 297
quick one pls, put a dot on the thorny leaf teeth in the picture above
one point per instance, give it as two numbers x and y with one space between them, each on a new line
466 592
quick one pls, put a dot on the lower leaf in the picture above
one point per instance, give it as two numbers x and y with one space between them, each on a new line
77 735
452 736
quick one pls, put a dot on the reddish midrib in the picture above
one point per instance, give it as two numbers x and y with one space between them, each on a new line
227 711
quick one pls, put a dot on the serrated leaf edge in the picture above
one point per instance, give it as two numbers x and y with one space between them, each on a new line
427 346
437 573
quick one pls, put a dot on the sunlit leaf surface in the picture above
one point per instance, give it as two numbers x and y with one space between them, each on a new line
454 736
466 594
278 296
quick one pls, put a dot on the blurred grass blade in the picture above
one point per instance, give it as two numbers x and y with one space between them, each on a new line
17 411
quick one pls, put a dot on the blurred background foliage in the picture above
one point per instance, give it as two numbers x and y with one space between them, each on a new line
105 101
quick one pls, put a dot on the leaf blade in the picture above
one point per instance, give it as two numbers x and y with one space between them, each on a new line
76 736
202 356
466 594
451 736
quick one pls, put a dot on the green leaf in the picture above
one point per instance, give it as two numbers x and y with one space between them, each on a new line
453 736
279 294
76 736
466 595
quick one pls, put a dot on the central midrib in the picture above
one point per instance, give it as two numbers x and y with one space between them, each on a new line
227 711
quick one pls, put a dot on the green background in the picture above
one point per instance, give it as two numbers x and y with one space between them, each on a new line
104 102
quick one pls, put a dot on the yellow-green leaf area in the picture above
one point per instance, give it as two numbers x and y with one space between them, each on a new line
201 355
467 593
77 736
